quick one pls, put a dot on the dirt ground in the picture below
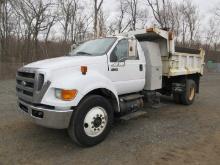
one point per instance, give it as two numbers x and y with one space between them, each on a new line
173 134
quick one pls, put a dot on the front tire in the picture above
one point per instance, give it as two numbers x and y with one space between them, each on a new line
91 121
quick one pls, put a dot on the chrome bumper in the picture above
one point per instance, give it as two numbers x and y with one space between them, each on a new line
51 118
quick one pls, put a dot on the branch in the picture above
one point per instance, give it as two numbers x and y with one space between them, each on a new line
100 4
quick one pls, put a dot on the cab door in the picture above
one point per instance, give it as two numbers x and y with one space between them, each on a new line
126 70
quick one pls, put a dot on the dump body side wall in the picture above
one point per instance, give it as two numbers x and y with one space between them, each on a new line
183 64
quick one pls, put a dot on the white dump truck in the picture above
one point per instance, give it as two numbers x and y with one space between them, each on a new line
107 77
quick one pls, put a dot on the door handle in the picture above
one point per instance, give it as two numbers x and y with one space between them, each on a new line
141 67
114 69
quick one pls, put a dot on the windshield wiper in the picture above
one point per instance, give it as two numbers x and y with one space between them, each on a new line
83 53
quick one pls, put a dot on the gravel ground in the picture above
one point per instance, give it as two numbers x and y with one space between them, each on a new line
172 134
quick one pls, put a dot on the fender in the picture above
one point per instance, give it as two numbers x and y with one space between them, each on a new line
82 83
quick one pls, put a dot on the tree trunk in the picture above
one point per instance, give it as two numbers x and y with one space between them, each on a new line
95 19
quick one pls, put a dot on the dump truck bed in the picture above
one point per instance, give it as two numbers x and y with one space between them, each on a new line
183 63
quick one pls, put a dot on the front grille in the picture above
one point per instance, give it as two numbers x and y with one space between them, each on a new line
31 85
28 85
25 85
26 74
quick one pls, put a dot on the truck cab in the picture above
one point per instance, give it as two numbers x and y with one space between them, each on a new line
106 77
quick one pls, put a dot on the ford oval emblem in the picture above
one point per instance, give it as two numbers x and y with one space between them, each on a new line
23 83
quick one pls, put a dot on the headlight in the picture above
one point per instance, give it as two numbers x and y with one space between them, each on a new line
66 95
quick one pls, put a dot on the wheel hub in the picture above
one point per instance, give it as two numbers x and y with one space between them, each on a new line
191 94
95 121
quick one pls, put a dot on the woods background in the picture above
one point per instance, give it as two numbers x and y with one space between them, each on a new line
37 29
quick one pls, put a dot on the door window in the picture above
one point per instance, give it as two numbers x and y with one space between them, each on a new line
120 52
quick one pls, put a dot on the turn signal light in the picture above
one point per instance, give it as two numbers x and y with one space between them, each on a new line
84 70
150 30
68 95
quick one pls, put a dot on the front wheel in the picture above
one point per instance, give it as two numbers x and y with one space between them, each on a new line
91 121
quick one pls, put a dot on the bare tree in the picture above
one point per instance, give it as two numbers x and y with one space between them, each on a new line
158 11
51 22
166 13
127 15
183 24
97 7
121 23
4 27
73 18
37 18
52 19
67 18
182 18
123 8
212 33
27 17
40 23
217 12
192 18
2 36
133 12
130 14
212 30
82 25
102 23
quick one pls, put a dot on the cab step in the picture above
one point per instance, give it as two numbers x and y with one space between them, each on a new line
131 97
134 115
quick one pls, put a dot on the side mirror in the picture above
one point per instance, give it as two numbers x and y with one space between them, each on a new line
132 48
74 46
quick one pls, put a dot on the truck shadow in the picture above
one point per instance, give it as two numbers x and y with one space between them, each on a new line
53 139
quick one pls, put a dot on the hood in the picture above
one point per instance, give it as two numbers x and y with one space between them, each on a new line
66 62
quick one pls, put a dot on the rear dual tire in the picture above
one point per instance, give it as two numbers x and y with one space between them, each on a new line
188 96
91 121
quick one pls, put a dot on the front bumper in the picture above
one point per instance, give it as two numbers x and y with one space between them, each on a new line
51 118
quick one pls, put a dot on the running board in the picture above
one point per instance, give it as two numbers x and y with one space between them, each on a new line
131 97
134 115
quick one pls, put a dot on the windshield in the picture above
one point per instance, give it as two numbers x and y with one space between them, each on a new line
94 47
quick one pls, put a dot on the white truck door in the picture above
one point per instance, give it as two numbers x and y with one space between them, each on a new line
126 70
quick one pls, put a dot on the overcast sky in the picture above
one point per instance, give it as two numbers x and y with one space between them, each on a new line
205 9
205 6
